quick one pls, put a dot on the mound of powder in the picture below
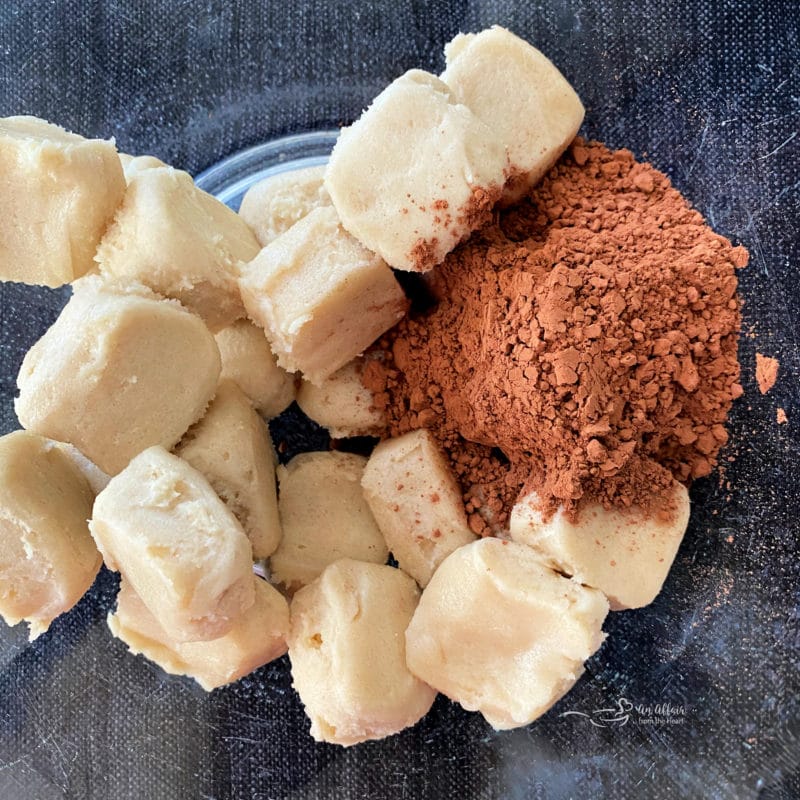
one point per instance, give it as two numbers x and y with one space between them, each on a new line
584 345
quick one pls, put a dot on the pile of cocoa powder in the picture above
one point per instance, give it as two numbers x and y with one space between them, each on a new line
583 345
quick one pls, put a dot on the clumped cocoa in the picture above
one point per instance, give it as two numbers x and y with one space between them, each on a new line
584 344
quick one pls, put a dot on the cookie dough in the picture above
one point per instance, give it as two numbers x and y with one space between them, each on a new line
348 655
231 446
162 526
324 517
119 370
500 633
47 557
248 360
521 95
257 637
58 194
181 242
416 503
271 206
321 297
416 174
623 553
342 403
132 165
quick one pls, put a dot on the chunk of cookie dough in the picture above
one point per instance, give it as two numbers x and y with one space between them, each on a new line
232 447
47 557
271 206
342 403
625 554
119 370
321 297
500 633
324 517
521 95
416 502
181 242
416 174
162 526
95 477
347 653
58 194
248 360
257 637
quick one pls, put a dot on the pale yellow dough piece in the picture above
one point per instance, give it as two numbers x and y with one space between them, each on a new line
47 557
271 206
515 89
621 553
232 447
119 370
162 526
416 502
324 517
181 242
341 403
58 193
95 477
416 173
500 633
257 637
347 652
132 165
321 297
248 360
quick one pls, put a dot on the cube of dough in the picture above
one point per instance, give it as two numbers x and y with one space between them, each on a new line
47 557
248 360
119 370
324 517
132 165
271 206
342 403
181 242
58 194
500 633
321 297
162 526
257 637
416 502
625 555
516 90
232 447
416 174
347 653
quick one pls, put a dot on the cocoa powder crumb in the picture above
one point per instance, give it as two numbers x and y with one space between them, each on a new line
584 345
781 417
766 372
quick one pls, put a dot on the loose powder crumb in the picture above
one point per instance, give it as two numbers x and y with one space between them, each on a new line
766 372
781 417
583 345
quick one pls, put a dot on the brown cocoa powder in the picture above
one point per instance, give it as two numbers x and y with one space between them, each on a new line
766 372
583 345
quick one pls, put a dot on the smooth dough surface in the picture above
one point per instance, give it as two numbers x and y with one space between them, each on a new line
625 555
232 447
347 653
324 517
47 557
499 632
257 637
119 370
161 525
181 242
58 194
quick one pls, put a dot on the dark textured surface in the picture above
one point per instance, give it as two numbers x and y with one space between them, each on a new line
710 92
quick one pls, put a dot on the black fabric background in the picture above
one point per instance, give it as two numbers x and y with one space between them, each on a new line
710 93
